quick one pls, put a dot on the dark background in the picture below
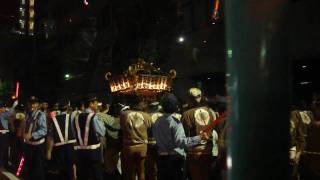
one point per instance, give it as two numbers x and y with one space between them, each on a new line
108 35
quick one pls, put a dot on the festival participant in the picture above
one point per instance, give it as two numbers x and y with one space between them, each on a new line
135 125
113 142
195 120
154 109
34 138
89 128
171 141
61 142
4 132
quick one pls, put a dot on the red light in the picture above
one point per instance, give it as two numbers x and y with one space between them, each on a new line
20 167
216 9
17 89
216 6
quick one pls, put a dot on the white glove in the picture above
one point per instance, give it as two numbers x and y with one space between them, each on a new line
215 148
293 153
15 104
215 136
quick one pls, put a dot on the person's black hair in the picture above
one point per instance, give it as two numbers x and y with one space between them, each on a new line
169 103
20 108
134 100
89 100
78 105
115 109
87 103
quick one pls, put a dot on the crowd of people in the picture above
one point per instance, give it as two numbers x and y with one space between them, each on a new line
140 139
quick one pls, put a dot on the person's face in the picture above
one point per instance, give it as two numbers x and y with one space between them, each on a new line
94 105
82 107
70 110
34 106
45 105
2 109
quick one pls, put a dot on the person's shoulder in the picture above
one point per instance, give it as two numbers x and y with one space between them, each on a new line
162 119
192 110
156 124
189 111
187 114
177 116
63 114
209 109
125 113
294 113
145 114
214 113
41 113
105 116
58 117
83 113
174 120
100 114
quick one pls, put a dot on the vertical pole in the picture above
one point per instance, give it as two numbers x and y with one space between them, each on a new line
258 84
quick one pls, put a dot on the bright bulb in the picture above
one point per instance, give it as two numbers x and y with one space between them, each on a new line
67 76
181 39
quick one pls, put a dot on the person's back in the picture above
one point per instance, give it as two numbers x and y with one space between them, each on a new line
195 120
60 142
88 130
155 112
165 131
171 141
135 126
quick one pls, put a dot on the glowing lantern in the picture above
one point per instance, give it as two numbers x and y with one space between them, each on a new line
143 78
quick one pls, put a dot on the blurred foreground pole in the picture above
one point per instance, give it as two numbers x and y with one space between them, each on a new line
258 84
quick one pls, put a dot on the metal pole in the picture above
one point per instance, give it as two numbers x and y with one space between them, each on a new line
258 84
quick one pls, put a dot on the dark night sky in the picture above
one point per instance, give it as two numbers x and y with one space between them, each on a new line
80 39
